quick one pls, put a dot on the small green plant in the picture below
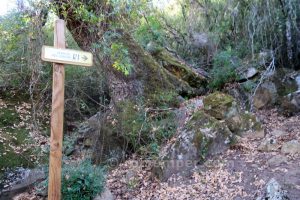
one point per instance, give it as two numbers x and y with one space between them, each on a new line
81 181
223 71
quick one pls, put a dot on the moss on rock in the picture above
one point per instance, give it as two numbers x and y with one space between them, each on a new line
201 137
243 122
208 131
219 105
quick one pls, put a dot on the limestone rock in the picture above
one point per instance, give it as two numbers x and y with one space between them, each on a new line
100 140
247 73
243 122
277 160
240 94
268 145
285 81
274 192
220 105
251 72
295 98
287 108
291 147
208 132
202 136
224 107
256 134
265 96
291 103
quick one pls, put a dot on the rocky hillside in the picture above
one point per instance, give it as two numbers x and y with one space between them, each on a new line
219 150
256 165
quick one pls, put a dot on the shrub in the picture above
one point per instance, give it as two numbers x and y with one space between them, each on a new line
223 71
81 181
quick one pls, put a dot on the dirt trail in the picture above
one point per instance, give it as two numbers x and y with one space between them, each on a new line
241 173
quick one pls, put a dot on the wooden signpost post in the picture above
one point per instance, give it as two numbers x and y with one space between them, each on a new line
59 56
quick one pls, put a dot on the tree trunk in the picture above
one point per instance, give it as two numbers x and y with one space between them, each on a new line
147 77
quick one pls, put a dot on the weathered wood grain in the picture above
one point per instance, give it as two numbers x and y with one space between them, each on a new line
57 115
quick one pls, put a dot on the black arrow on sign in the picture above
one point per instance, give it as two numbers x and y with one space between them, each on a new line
84 58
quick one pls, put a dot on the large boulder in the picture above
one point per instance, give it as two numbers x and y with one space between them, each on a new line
224 107
291 147
220 105
274 191
201 136
210 130
243 122
278 88
241 93
290 104
100 140
286 81
265 96
246 73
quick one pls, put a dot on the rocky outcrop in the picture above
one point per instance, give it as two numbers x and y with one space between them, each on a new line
265 96
100 140
224 107
280 88
274 191
247 73
209 131
201 136
290 104
268 145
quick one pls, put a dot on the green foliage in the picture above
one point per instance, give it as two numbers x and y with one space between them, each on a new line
80 181
163 100
146 128
14 31
249 86
121 59
83 181
150 30
224 69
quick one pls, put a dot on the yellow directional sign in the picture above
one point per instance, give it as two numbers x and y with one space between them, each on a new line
67 56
